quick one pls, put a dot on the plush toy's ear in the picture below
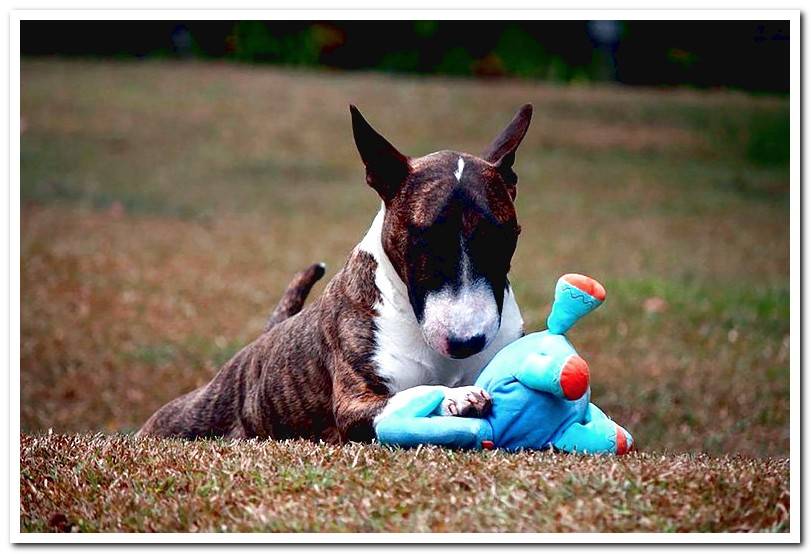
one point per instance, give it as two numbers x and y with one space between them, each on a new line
501 151
386 167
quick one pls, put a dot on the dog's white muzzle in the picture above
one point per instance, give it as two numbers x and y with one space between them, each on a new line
462 323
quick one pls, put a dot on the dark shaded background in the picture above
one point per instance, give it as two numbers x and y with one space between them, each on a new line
748 55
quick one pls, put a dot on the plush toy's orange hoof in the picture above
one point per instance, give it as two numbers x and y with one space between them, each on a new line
574 377
622 442
586 284
488 445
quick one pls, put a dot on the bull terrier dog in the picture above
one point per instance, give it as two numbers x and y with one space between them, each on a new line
423 299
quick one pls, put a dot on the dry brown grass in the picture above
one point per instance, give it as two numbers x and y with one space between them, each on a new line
98 483
165 206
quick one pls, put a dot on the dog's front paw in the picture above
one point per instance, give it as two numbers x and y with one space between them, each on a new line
466 402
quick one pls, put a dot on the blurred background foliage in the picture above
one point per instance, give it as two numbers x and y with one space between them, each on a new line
747 55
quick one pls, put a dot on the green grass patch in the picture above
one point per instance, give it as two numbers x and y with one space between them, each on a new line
168 485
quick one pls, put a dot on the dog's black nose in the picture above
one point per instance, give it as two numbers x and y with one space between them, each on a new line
462 348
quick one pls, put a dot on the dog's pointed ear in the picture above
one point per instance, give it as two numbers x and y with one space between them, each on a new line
501 151
386 167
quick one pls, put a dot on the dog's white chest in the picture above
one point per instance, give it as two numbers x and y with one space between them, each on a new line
405 360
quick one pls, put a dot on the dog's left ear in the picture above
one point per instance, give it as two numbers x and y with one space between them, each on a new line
386 167
501 151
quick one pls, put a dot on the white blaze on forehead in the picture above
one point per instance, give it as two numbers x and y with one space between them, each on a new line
460 166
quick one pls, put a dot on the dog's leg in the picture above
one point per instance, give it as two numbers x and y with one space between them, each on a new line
471 401
357 399
358 404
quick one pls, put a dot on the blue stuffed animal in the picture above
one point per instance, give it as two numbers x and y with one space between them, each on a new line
539 388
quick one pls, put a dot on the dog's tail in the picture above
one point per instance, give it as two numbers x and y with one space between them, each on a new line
293 298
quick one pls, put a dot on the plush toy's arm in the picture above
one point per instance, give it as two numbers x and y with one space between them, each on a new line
415 423
563 376
597 435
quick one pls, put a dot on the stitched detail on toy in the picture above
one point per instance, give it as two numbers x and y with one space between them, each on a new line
585 284
583 297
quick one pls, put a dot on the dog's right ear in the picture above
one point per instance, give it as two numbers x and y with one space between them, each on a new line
386 167
501 151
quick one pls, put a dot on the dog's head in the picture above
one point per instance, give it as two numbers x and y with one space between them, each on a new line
450 230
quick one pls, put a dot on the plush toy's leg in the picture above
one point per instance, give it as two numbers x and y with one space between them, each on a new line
575 296
598 435
564 376
413 424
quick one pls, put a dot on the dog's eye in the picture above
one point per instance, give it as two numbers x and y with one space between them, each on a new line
494 247
498 235
419 240
437 238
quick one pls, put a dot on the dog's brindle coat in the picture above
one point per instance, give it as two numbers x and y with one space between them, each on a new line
423 300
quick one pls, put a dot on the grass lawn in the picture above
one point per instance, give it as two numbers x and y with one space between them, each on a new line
165 206
114 483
